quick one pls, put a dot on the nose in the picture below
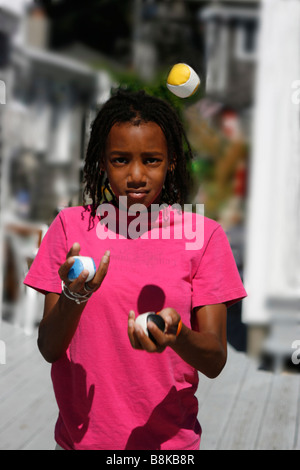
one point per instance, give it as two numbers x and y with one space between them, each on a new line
136 176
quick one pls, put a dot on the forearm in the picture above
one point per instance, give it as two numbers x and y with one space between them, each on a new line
204 347
62 312
203 351
57 328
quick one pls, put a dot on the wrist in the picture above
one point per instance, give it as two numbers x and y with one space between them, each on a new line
179 327
182 337
69 306
75 296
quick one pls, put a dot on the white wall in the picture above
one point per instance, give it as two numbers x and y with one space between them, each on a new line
272 265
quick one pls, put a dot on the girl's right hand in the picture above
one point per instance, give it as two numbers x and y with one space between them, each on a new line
61 315
78 285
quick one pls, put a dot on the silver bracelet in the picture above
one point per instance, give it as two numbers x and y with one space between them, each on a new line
78 298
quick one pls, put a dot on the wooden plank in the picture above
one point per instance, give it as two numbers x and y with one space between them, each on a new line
7 331
216 409
278 430
19 348
27 405
204 388
246 416
243 408
15 377
12 406
43 440
297 418
23 379
38 417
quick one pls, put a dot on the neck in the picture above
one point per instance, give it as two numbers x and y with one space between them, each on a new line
131 222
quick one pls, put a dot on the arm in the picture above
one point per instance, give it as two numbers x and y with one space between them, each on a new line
62 315
204 347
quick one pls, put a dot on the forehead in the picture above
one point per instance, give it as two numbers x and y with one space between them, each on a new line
145 134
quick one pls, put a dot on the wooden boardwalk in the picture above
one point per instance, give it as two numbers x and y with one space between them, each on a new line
243 409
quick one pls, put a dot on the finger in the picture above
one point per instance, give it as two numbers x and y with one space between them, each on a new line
144 340
167 314
131 320
74 250
171 318
78 284
157 334
163 339
131 331
101 272
65 268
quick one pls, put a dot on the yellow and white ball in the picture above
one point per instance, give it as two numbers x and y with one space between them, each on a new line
183 80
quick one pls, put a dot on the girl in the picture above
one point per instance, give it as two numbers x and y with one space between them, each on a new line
115 387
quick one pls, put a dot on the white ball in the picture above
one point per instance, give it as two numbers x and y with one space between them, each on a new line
183 81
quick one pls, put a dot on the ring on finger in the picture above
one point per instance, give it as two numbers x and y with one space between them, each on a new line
87 288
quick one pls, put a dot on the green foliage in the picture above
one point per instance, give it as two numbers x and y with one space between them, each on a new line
202 169
131 81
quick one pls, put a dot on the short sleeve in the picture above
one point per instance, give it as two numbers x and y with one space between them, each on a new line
217 279
43 273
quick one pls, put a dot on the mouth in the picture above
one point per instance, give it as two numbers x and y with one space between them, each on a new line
136 194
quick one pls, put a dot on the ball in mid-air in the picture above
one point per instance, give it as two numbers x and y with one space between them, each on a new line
183 80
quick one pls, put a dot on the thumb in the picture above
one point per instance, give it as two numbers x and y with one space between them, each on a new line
74 250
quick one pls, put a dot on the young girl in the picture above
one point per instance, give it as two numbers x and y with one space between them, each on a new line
115 387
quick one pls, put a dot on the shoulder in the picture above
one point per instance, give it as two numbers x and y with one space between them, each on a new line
73 219
75 210
75 214
195 229
209 224
197 221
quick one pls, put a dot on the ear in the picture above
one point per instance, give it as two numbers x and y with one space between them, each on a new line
102 168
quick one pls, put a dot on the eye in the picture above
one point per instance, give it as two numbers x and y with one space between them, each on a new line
119 160
152 160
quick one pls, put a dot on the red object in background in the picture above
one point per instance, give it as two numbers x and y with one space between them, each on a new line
230 124
240 180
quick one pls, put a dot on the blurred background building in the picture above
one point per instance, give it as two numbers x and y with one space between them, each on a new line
59 62
50 99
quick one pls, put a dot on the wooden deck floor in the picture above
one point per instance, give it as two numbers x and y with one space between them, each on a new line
244 408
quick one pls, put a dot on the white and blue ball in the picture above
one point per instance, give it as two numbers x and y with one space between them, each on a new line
81 263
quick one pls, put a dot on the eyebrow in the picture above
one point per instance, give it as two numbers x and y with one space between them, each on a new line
118 152
146 154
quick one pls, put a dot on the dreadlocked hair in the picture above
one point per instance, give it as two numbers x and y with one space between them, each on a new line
137 108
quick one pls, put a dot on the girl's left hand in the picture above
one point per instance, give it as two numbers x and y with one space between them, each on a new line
139 339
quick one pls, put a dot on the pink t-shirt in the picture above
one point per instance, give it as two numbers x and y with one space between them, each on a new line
111 396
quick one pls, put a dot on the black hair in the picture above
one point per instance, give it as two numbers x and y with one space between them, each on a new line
136 108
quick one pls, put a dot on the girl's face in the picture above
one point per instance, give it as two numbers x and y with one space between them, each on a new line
136 162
